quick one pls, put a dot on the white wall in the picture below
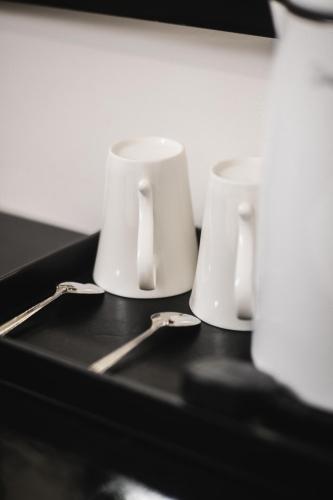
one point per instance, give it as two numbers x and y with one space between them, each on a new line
72 83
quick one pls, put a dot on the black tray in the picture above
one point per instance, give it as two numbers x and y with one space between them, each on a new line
48 355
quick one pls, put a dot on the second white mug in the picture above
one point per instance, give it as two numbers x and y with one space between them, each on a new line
147 246
223 293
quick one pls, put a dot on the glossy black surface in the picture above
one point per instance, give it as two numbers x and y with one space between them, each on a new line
24 240
50 452
77 432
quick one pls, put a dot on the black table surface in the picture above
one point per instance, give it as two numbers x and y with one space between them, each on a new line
24 240
49 453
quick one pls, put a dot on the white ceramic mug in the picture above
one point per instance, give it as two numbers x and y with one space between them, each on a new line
147 246
223 288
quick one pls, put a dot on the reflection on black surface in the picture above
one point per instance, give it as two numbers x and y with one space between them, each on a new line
32 470
123 488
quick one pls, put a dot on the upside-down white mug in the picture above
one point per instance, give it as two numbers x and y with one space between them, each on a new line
223 293
147 247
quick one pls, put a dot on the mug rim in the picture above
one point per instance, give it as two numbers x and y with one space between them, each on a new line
233 162
117 145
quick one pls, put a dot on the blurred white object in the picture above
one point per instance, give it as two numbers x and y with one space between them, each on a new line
223 289
324 7
293 338
148 246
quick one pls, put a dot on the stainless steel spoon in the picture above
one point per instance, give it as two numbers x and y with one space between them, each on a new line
62 288
158 320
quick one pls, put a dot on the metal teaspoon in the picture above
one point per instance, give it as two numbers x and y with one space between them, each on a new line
158 320
62 288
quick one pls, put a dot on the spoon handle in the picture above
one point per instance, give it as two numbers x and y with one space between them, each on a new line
5 328
103 364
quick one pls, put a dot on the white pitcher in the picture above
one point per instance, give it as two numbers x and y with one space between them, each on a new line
293 338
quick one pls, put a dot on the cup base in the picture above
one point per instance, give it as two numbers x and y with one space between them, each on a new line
233 325
142 294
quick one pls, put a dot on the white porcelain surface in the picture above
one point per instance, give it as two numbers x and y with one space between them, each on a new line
293 338
279 15
223 287
148 245
325 6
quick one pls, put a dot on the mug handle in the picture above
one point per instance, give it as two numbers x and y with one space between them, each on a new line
243 284
145 249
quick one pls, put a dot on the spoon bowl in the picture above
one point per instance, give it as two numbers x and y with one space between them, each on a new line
81 288
175 319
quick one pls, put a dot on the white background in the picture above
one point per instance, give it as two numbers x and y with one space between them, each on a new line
72 83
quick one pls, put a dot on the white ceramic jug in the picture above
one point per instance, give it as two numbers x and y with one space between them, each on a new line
293 338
